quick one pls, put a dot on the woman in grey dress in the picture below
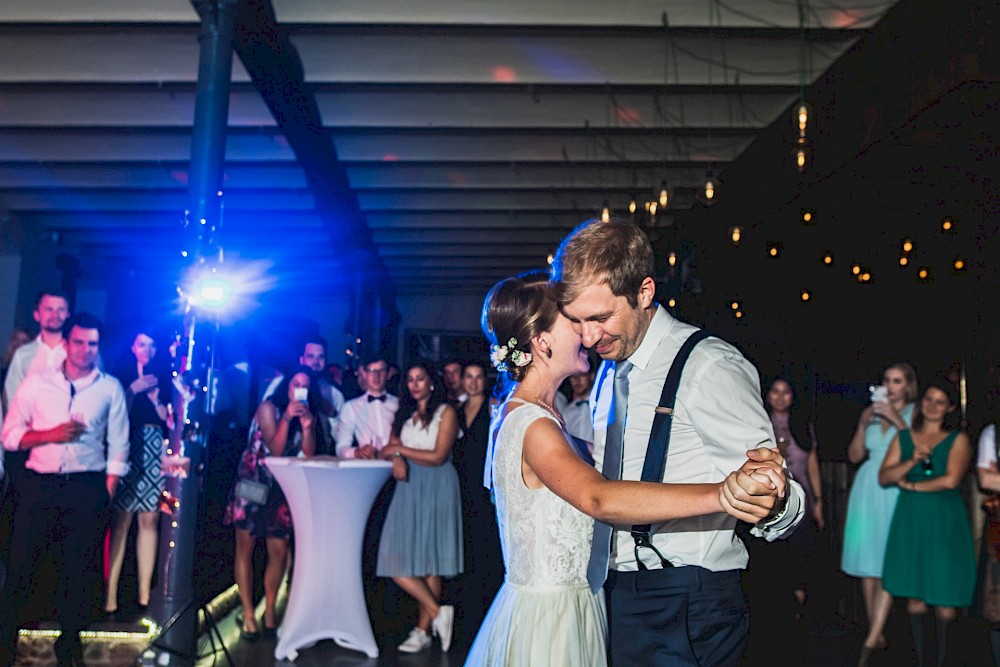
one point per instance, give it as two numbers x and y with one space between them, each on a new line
422 537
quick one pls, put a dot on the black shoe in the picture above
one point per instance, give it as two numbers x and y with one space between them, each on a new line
269 633
109 616
141 612
249 636
69 653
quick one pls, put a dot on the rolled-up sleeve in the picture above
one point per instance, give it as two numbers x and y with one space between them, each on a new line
729 416
18 419
117 434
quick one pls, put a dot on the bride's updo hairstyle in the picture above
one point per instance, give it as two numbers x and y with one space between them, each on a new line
517 308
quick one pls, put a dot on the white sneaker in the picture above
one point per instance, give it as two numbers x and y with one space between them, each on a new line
442 625
417 641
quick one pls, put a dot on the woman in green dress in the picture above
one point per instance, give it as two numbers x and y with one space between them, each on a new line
929 557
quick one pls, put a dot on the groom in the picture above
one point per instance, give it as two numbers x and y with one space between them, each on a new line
689 607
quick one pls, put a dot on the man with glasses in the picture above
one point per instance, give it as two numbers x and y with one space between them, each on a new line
366 421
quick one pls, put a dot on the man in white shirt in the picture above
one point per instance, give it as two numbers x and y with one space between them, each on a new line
73 421
47 351
689 607
367 419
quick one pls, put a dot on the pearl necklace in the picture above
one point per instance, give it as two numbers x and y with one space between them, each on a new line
548 408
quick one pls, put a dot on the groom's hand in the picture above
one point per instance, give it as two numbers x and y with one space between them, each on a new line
757 489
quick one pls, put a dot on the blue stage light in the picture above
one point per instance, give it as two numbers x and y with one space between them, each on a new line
214 293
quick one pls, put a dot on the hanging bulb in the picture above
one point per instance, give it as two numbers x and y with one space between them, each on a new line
801 156
652 208
803 116
735 235
708 190
665 195
672 258
632 205
605 213
828 259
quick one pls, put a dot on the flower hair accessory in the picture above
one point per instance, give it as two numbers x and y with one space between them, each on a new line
499 356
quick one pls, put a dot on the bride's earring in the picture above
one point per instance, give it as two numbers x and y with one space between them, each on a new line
548 352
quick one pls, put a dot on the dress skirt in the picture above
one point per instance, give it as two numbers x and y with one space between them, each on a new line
423 528
930 555
553 626
143 483
869 513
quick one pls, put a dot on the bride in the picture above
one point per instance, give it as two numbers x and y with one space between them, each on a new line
546 613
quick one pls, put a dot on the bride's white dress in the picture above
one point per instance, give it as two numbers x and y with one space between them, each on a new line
545 613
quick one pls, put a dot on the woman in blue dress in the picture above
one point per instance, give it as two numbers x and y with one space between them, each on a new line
870 506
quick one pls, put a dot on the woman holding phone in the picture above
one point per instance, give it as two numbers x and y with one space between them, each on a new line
870 506
286 426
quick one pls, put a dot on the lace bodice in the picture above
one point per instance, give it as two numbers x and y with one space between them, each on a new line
546 541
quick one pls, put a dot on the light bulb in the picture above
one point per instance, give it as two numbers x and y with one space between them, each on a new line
856 270
947 224
805 295
665 195
903 261
632 205
549 258
671 302
672 258
708 189
923 273
828 259
652 208
959 264
907 245
801 155
735 305
803 115
738 314
605 213
735 234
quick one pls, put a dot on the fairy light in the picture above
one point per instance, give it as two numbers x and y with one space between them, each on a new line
923 273
903 261
672 258
907 245
671 302
828 259
735 235
805 295
735 305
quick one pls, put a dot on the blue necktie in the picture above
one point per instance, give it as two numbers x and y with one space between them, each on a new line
600 549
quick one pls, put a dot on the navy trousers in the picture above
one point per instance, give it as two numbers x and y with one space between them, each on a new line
677 616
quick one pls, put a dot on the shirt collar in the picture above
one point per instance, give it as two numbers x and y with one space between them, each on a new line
659 327
85 381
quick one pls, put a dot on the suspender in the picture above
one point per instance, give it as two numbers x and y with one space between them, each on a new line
659 439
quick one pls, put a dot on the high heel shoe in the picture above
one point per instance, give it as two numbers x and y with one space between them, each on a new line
442 625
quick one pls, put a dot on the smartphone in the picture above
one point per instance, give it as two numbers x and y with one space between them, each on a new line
878 393
300 394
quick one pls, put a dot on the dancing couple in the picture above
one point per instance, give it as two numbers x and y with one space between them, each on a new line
673 587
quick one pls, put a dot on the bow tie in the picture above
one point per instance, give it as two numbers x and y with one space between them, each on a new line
376 398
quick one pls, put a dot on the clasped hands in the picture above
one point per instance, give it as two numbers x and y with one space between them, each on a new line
757 490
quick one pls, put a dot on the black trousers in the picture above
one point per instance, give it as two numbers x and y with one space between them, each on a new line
677 616
64 517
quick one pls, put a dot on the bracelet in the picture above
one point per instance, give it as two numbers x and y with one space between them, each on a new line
397 455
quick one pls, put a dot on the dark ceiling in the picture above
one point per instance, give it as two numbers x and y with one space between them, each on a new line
473 134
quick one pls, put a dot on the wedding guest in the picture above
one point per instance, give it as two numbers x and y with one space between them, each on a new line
288 425
451 375
989 482
366 421
483 575
47 351
870 505
139 494
422 536
73 421
929 556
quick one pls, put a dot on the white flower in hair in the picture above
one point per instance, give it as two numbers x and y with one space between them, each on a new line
498 355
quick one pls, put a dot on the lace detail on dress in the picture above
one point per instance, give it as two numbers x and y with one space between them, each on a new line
546 541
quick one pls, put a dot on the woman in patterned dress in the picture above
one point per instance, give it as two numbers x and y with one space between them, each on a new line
147 393
287 426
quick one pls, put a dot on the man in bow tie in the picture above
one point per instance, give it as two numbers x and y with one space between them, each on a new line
366 421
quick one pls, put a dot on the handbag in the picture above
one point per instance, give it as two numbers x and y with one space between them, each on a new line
251 491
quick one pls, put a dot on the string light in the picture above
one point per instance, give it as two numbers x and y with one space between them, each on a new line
959 264
828 259
632 205
671 302
805 295
605 213
735 305
947 224
672 258
549 258
808 215
738 314
907 245
735 234
801 155
652 208
866 277
773 249
903 261
923 273
708 189
856 269
666 195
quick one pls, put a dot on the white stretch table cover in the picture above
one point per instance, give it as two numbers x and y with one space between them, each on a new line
330 501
